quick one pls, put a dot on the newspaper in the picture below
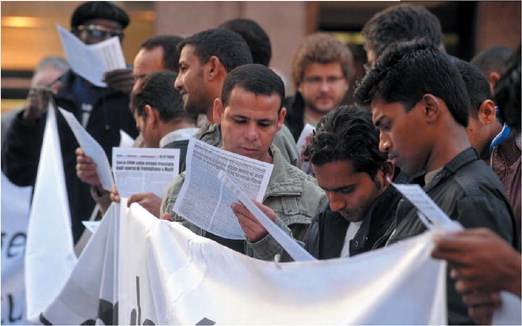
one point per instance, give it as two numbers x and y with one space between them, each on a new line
144 169
205 201
91 148
92 61
295 251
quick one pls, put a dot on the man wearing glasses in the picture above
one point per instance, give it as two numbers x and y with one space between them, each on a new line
320 69
102 111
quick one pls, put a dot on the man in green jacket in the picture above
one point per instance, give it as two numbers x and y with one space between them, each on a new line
250 113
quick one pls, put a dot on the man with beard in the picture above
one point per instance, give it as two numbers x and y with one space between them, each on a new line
320 70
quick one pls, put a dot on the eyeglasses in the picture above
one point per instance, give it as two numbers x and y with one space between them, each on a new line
95 32
317 80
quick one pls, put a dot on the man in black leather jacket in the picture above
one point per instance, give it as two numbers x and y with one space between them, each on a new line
354 174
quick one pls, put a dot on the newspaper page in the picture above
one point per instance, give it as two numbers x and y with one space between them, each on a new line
92 61
288 243
430 214
144 169
91 148
205 201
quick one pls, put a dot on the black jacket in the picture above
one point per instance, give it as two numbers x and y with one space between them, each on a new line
469 192
295 114
21 150
325 236
182 145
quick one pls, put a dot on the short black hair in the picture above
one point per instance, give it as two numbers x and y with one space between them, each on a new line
228 46
99 9
157 90
347 133
408 70
169 45
255 36
507 93
477 85
255 78
492 59
404 22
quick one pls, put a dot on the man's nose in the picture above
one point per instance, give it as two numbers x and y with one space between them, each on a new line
178 83
325 85
384 143
252 132
336 204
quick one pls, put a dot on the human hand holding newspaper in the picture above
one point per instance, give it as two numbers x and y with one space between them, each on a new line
92 149
293 249
253 229
486 303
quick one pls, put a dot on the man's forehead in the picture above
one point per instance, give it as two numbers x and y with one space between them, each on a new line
381 109
148 56
239 94
188 53
324 66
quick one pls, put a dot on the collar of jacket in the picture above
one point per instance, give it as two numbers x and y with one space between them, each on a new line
285 178
210 134
334 226
377 219
66 91
463 158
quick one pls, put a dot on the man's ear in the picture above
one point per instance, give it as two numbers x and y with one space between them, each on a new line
213 67
487 112
432 107
218 110
281 118
384 176
151 115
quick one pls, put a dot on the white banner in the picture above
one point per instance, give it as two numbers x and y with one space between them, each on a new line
15 215
162 273
89 296
49 257
172 276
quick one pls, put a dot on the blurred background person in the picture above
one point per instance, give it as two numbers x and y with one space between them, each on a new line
102 111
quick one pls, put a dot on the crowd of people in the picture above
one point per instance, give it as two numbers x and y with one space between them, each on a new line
418 115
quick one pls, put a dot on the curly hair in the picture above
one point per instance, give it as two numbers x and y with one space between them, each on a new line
320 48
347 133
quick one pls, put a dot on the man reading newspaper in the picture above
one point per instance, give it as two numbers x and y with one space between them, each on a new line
249 114
420 105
